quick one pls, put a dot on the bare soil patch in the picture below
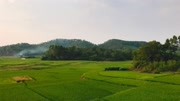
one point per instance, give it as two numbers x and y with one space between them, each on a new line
22 79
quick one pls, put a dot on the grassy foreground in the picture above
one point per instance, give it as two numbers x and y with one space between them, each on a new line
82 81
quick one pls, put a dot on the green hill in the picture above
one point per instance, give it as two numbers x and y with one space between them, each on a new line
11 50
21 49
38 49
122 45
68 43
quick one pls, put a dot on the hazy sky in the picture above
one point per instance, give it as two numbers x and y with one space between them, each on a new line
35 21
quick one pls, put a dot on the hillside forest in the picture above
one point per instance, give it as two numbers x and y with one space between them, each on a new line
152 57
36 50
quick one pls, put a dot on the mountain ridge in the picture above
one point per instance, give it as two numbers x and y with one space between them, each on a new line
120 44
39 49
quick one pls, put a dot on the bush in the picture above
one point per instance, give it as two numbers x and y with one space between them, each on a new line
112 69
162 66
173 65
139 65
123 69
116 69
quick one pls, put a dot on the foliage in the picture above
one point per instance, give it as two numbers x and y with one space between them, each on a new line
157 57
95 54
112 69
116 69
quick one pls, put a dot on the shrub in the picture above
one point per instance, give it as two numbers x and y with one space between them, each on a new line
139 64
123 69
162 66
116 69
112 69
173 65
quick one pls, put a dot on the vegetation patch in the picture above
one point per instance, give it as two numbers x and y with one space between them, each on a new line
94 54
156 57
116 69
83 81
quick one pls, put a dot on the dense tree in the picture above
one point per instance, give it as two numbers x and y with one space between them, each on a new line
154 55
95 53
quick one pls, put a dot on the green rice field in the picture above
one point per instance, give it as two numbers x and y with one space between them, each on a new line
36 80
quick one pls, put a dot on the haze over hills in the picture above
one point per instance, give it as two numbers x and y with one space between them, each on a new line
21 49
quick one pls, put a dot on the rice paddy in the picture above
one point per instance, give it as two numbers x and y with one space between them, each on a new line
36 80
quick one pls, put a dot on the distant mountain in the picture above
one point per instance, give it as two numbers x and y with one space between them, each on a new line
122 45
38 49
68 43
11 50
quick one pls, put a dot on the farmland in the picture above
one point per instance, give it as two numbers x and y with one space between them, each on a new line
82 81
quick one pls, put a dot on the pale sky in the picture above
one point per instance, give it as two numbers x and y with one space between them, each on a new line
35 21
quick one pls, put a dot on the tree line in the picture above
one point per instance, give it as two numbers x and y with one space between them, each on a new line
95 54
156 57
152 57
